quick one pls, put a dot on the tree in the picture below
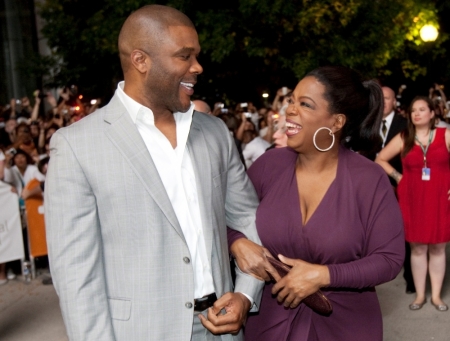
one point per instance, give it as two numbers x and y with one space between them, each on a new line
249 45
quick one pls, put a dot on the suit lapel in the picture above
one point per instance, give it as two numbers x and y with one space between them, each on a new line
202 166
124 134
393 129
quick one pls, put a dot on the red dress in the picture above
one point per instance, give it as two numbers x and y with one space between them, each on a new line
424 204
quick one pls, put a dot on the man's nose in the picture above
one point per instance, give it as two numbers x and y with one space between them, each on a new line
196 67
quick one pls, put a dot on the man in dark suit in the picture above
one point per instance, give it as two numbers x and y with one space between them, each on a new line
391 125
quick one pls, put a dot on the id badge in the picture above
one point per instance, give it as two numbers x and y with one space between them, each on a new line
426 174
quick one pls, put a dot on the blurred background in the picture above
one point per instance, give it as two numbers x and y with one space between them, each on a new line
249 48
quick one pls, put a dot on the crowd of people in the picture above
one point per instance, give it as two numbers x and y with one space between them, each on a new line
168 190
26 128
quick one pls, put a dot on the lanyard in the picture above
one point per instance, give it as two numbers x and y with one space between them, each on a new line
425 150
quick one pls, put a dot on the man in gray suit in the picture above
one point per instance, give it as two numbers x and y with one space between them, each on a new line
138 197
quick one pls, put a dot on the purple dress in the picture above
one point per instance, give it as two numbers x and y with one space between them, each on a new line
356 230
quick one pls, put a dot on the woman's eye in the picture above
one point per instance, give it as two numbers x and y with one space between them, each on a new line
304 104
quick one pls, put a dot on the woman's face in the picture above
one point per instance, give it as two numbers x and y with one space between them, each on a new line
307 112
248 126
279 137
23 133
20 161
421 115
34 129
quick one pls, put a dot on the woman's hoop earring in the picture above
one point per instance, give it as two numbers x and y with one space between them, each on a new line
331 134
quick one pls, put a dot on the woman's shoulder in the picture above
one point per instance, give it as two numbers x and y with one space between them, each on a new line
276 158
271 164
440 130
361 167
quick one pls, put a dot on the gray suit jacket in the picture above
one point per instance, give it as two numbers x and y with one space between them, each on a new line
119 260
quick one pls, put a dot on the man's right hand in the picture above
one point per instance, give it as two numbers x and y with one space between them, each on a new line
252 259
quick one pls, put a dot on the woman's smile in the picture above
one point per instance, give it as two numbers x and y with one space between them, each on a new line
292 128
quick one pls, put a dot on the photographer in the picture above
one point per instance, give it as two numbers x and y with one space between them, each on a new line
19 170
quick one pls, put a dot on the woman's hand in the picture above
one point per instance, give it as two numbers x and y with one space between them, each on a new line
252 259
302 280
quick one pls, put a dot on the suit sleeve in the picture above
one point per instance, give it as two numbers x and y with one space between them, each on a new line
75 246
240 209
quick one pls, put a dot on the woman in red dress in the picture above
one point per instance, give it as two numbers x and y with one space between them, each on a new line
423 196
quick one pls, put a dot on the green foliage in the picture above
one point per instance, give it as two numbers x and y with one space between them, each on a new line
265 42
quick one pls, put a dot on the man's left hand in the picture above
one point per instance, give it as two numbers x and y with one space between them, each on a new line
252 259
235 306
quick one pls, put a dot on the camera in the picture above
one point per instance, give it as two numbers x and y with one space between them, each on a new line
244 105
224 110
248 114
284 90
12 151
220 105
18 102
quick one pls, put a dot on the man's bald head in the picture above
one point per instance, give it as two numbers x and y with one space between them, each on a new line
201 106
390 101
144 29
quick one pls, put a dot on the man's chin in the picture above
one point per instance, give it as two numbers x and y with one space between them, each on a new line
183 107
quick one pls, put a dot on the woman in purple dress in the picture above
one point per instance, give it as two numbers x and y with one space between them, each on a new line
328 212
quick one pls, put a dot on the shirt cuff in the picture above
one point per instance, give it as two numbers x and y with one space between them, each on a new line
252 301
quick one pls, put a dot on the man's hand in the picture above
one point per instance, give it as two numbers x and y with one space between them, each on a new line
235 306
252 259
302 280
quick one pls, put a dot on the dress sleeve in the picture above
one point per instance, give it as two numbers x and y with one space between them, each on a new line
384 248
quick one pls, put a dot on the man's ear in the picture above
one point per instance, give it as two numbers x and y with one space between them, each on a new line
140 61
339 122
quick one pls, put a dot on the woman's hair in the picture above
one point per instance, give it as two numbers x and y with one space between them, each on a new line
42 163
409 133
360 101
24 153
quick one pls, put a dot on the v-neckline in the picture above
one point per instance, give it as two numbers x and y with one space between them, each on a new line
295 188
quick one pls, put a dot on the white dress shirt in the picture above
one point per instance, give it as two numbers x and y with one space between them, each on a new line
176 171
388 123
254 149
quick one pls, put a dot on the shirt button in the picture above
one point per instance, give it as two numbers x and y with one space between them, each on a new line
186 260
188 305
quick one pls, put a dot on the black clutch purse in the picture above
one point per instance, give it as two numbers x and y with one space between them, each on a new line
317 301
